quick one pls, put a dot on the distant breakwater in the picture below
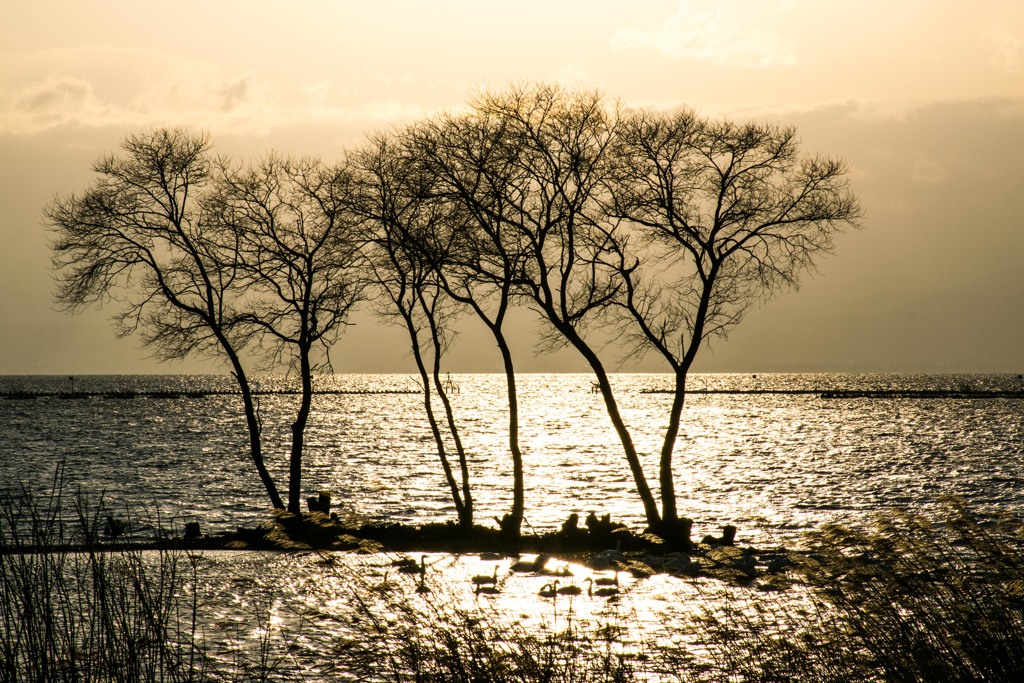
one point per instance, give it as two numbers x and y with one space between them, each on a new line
185 394
825 394
859 393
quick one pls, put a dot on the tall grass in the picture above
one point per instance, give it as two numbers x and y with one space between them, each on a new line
432 642
913 598
924 599
91 614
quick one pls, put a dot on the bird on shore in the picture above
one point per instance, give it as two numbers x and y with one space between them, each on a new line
486 579
486 589
114 527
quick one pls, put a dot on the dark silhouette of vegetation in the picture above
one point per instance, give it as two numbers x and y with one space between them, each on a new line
550 160
93 615
137 238
211 259
706 219
659 231
406 230
669 227
300 268
481 268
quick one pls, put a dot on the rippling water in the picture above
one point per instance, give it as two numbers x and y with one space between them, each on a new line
773 464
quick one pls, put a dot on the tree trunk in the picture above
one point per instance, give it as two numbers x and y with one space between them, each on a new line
299 433
253 424
654 520
673 528
513 525
666 478
449 476
466 515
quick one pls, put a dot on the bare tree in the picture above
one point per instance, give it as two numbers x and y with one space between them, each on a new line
411 233
540 184
210 258
299 265
669 227
478 268
136 237
708 219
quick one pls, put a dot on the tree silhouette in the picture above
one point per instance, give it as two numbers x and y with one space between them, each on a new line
481 261
669 228
409 236
299 266
212 259
707 219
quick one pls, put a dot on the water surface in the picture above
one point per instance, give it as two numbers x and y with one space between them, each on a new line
772 464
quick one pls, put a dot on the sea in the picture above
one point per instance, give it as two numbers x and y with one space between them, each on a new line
764 452
775 455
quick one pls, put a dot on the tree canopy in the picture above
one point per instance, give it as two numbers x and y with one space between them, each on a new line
663 227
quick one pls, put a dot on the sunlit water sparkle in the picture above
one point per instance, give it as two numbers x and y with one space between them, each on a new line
768 463
774 465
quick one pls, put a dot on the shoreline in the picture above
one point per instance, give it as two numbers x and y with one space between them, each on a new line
618 549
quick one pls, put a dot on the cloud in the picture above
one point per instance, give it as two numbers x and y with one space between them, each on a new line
235 93
49 103
128 88
1006 50
738 33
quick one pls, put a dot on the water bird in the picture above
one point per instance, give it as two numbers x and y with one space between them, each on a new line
114 527
483 579
535 565
606 558
548 590
571 589
607 580
486 589
385 586
603 592
409 566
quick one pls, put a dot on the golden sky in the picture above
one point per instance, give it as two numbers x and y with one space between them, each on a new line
924 99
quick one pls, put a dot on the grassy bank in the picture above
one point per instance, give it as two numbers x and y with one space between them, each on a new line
937 598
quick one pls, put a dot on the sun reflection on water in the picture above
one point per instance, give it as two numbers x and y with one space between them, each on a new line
308 602
791 460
